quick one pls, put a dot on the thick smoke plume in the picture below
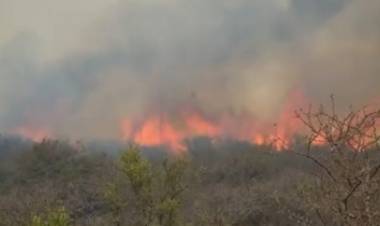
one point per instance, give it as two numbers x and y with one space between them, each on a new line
102 69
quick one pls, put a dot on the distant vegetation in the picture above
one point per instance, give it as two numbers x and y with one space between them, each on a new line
329 178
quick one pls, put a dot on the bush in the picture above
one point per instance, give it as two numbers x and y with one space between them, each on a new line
346 189
157 191
54 218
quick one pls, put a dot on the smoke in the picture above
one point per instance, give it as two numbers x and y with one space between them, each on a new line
78 68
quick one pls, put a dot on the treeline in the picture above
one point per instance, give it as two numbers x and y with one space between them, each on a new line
54 183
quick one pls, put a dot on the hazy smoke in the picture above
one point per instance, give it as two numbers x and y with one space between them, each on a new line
77 68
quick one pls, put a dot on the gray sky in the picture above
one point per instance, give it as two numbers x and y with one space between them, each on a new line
78 67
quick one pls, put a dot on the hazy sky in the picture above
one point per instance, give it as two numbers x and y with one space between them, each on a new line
77 67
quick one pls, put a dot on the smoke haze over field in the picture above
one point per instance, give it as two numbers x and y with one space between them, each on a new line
78 68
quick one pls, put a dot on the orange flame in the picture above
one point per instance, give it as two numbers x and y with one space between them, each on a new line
156 131
201 127
160 131
168 131
34 134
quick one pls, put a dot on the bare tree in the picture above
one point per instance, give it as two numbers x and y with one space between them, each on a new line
347 186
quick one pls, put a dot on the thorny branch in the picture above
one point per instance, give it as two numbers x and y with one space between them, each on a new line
351 140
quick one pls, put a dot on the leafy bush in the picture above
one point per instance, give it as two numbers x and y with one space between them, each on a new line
54 218
157 191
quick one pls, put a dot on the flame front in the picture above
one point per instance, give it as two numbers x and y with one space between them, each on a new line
170 130
159 130
32 133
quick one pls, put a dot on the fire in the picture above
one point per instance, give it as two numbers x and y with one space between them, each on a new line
157 131
32 133
259 139
288 125
162 129
319 141
201 127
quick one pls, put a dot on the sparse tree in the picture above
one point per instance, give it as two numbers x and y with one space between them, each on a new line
157 192
347 186
54 218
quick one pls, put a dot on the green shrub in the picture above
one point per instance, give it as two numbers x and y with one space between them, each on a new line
157 191
55 218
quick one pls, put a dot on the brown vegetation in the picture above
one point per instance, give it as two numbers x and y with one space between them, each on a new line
333 181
